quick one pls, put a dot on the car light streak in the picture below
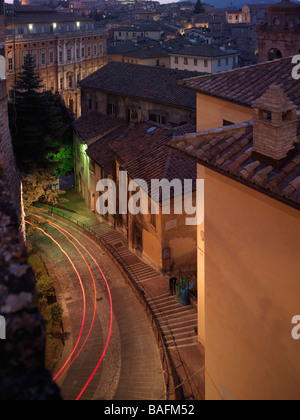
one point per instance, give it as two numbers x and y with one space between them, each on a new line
110 301
82 289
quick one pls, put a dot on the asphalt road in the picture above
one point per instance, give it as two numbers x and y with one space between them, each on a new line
130 369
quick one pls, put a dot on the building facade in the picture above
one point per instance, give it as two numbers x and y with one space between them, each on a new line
204 59
139 93
279 36
66 49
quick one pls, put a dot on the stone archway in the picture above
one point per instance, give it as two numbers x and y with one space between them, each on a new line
274 54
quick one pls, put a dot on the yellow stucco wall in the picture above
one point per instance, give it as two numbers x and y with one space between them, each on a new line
252 292
211 112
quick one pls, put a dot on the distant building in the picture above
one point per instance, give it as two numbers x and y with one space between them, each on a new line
66 49
203 58
254 13
234 16
279 36
133 32
139 93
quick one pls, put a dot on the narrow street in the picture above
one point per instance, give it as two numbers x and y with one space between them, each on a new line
98 362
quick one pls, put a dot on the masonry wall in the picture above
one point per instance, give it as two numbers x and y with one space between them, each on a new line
211 112
252 293
93 100
22 353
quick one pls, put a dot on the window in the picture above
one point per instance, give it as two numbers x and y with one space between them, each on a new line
60 56
89 51
51 57
77 53
70 82
69 55
52 85
43 59
206 63
82 52
95 49
186 61
195 62
219 63
111 109
10 64
101 48
227 61
159 119
176 60
61 84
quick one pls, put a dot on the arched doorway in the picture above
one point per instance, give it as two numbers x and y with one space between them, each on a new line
274 54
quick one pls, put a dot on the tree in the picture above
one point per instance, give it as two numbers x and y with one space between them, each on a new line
40 127
199 8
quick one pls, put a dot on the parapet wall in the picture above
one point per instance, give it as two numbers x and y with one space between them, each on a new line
22 372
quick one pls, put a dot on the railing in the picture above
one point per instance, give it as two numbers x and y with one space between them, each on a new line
133 279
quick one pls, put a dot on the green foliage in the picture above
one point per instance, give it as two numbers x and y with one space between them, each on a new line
64 158
45 287
40 127
55 312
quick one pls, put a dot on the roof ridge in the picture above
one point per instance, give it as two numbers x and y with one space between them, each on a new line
234 127
229 72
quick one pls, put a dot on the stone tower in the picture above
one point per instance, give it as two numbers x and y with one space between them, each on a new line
275 125
11 175
279 36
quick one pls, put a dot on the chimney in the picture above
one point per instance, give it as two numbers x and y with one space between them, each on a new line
275 125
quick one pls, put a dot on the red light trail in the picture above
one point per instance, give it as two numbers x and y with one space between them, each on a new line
61 230
81 285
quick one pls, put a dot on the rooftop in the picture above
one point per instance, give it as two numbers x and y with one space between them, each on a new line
42 14
229 151
202 50
254 80
155 84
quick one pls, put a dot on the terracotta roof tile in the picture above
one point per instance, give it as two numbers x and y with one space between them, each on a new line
229 150
255 80
155 84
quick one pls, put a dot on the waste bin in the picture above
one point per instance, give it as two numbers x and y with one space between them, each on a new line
178 291
172 284
184 296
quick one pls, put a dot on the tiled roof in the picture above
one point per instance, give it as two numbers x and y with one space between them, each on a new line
94 126
148 52
100 151
229 151
202 50
155 84
142 151
245 85
123 47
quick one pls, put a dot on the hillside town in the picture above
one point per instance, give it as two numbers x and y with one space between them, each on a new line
149 200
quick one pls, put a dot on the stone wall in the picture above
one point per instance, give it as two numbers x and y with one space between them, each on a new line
11 174
22 373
